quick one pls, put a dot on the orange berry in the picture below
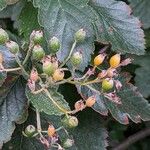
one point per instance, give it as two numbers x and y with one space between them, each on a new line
51 130
90 101
58 75
98 60
115 61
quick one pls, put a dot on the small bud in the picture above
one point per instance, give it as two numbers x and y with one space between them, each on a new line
111 73
37 53
80 35
54 45
70 122
30 130
37 37
107 84
68 143
58 75
98 60
90 101
76 59
31 85
1 58
34 75
115 61
3 36
51 130
79 105
13 47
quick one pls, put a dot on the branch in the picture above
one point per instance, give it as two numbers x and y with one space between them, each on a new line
132 139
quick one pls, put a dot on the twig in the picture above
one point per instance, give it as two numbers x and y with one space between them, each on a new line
132 139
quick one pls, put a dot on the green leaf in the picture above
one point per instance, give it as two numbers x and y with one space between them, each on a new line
3 76
133 105
13 108
2 4
116 25
28 20
142 78
62 18
142 11
44 104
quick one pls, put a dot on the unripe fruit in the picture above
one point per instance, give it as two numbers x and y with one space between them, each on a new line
34 75
30 130
54 45
68 143
51 130
98 60
48 68
58 75
13 47
90 101
76 59
70 122
107 84
115 61
80 35
1 58
3 36
37 53
37 36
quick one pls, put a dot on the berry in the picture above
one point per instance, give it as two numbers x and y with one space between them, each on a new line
54 45
51 130
34 75
98 60
37 53
37 36
13 47
115 61
68 143
90 101
79 105
76 59
30 130
3 36
80 35
70 122
1 58
58 75
107 84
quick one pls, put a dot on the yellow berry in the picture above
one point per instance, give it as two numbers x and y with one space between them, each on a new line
90 101
98 60
115 61
51 130
58 75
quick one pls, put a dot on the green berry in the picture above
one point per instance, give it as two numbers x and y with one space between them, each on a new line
107 84
70 122
30 130
3 36
37 37
68 143
37 53
13 47
54 45
48 68
80 35
76 59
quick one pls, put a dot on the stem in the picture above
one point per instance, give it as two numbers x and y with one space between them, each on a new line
28 53
11 69
55 103
91 82
132 139
38 91
26 75
39 129
70 53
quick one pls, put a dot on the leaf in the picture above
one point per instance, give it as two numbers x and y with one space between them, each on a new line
2 4
142 78
44 104
3 76
142 11
62 18
28 20
90 134
133 104
116 25
13 108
